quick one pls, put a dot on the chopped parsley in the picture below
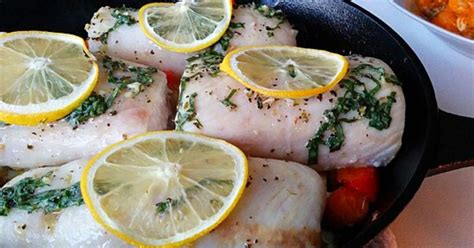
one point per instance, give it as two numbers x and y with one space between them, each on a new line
22 196
227 100
122 17
3 124
96 105
224 42
361 86
291 70
187 113
272 13
164 206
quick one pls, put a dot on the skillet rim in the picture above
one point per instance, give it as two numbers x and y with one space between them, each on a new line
430 144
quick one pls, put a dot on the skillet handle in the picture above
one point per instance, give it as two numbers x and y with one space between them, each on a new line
456 144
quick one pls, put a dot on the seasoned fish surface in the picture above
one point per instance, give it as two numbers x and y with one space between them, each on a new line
72 227
282 206
130 43
281 128
58 143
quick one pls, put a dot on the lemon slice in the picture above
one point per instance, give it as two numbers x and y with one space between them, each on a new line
44 76
284 71
186 26
164 188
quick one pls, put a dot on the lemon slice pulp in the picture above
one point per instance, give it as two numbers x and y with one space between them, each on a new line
285 71
44 76
186 26
164 188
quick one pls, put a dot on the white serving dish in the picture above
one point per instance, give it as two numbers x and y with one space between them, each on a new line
461 44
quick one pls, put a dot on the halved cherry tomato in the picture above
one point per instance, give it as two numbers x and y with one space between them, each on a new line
345 207
365 180
173 80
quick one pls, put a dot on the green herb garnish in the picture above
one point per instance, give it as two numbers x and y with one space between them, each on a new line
22 196
291 71
122 17
187 113
272 13
359 97
224 42
96 105
162 207
227 100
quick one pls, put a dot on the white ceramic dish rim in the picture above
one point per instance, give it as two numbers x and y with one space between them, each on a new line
431 25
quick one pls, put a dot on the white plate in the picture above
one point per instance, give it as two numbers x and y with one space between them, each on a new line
458 42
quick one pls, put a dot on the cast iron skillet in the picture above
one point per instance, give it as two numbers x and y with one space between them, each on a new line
335 25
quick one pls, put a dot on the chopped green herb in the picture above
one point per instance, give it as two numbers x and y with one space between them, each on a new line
272 13
291 71
360 97
187 113
162 207
224 42
122 16
227 101
96 105
3 124
22 196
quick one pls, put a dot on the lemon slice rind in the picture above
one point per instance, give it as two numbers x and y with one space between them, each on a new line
53 109
183 238
197 45
230 66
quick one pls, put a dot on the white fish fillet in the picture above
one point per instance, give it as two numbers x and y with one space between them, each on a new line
285 210
58 143
283 130
73 227
282 206
255 32
130 43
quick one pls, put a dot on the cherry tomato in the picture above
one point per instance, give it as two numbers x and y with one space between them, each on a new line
365 180
345 207
173 80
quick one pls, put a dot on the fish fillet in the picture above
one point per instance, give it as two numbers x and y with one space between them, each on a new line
281 206
130 43
57 143
281 128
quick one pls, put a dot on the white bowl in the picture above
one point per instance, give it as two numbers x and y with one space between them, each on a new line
461 44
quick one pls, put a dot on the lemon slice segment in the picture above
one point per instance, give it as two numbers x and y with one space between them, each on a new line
44 76
164 188
186 26
285 71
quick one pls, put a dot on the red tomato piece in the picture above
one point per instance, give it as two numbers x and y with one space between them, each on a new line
173 80
364 180
345 207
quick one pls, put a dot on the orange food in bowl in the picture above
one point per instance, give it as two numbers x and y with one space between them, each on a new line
454 15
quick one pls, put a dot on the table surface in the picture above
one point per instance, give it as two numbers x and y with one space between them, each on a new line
442 212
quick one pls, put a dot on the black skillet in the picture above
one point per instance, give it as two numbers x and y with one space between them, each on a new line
335 25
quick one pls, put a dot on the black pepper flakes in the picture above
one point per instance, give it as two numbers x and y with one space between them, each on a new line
277 178
272 150
320 97
30 147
